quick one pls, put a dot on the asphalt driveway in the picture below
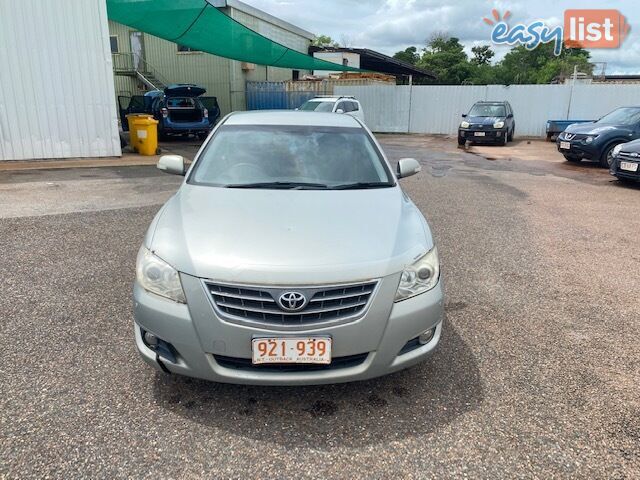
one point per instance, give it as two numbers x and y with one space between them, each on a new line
536 377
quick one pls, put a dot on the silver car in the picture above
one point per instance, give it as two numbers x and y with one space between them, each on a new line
289 256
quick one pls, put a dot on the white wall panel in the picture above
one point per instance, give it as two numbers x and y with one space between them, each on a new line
594 101
386 107
437 108
56 84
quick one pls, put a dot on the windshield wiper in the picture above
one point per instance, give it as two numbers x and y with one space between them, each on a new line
361 185
280 185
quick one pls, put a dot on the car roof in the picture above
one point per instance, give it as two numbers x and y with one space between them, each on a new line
496 102
332 98
289 117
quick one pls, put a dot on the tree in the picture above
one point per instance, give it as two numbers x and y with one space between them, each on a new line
482 55
409 55
325 41
541 65
445 57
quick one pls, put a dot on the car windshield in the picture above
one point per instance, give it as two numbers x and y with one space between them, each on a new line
487 110
312 106
622 116
274 156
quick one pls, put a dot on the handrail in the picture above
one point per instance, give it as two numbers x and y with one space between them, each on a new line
134 63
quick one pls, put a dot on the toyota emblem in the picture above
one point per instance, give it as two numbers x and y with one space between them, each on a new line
292 301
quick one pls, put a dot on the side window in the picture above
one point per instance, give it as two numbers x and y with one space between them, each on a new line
355 107
348 107
342 106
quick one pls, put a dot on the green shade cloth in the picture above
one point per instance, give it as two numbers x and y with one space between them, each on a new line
200 26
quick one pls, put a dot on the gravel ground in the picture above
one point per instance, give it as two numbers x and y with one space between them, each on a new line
536 377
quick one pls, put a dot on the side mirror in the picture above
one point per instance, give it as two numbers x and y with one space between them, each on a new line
297 109
408 167
172 164
510 115
464 115
339 110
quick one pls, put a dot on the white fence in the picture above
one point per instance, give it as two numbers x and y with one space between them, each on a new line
437 108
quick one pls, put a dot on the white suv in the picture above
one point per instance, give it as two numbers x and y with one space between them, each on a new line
335 104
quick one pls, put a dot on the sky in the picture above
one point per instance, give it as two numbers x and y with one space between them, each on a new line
392 25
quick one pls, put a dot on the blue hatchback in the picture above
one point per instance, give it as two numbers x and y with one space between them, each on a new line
597 141
180 109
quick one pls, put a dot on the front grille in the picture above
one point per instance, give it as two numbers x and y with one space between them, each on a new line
629 156
573 136
258 304
245 364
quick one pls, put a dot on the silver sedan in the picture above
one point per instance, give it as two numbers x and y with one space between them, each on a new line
290 255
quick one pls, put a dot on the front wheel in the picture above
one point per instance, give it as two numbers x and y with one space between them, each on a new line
461 141
607 156
504 139
510 138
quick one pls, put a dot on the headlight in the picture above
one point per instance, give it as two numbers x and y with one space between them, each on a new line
464 124
419 277
588 140
616 150
157 276
498 124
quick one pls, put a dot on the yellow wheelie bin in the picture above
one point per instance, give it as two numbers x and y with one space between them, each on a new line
143 133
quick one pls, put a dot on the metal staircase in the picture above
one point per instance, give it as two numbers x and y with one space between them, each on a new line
130 65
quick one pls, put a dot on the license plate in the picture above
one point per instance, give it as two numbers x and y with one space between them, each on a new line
629 166
291 350
565 145
478 134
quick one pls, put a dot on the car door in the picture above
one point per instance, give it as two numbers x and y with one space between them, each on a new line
510 120
127 105
211 104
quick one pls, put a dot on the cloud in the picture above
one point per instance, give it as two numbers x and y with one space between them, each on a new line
392 25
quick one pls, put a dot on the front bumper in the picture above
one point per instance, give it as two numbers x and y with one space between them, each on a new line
579 149
624 174
482 134
206 346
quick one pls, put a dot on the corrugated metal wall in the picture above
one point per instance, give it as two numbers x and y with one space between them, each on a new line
437 108
56 86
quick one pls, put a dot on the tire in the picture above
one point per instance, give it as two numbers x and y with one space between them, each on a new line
510 137
607 157
504 140
461 141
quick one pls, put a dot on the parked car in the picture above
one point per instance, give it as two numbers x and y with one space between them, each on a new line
289 255
625 164
337 104
597 140
180 109
487 122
